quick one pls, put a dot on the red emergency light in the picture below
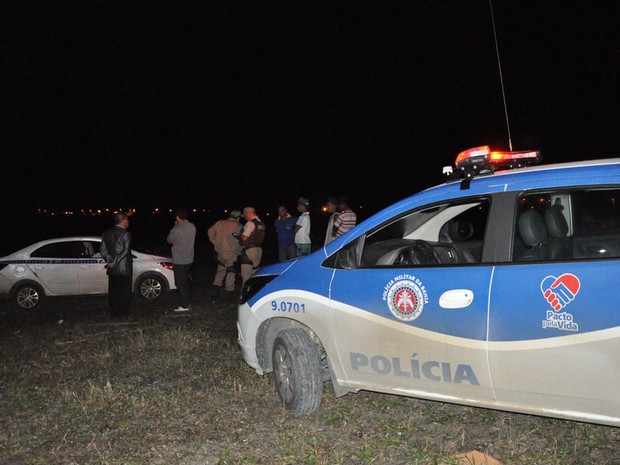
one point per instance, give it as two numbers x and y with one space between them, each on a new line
483 157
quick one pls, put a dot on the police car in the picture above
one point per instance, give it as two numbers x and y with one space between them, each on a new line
74 266
497 289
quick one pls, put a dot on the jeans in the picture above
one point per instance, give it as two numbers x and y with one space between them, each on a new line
182 281
286 252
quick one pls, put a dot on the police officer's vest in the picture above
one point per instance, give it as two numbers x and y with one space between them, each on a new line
257 236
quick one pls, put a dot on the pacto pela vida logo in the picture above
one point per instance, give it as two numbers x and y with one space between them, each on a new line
560 292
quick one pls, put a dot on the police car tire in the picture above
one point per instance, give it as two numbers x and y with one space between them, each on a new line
151 287
297 371
28 296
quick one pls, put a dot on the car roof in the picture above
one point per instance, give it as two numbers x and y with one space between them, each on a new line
564 165
53 240
67 239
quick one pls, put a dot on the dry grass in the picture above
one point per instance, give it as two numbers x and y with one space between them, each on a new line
173 389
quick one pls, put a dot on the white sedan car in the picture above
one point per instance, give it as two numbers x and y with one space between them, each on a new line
73 266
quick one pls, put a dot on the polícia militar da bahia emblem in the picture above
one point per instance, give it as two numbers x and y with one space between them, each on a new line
406 297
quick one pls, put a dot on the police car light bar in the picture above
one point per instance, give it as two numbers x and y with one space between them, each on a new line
474 156
524 157
483 157
481 160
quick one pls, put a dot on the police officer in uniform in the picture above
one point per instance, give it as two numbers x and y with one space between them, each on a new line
224 235
251 238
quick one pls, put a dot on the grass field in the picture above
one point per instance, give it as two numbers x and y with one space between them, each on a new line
170 388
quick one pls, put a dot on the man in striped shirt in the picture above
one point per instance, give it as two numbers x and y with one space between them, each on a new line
346 219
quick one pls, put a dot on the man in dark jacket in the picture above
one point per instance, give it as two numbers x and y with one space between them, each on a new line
116 251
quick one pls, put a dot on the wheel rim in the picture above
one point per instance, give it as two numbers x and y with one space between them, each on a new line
150 288
285 381
27 297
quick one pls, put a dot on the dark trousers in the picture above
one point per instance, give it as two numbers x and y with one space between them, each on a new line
119 294
287 252
182 281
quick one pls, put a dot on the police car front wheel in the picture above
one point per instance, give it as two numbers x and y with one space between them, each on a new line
297 371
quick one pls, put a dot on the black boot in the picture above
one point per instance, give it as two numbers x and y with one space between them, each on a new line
215 292
233 298
221 299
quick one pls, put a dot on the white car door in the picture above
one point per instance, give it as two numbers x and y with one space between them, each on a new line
91 271
56 268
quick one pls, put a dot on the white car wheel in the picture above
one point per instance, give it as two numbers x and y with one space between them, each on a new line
28 296
151 287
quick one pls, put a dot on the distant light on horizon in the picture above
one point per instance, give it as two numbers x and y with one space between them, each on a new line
103 211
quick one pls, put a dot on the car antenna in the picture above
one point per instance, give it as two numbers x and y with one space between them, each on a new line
501 78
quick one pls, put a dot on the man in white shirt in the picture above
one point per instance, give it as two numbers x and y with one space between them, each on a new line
302 228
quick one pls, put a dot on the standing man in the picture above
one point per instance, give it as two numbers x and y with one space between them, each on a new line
285 228
332 209
346 219
302 228
182 237
116 251
224 236
251 238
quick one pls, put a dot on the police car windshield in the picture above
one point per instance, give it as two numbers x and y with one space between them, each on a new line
404 226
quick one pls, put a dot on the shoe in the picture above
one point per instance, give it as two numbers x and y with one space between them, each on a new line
217 295
214 291
233 297
181 309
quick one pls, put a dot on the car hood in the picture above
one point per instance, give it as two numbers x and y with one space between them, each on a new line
276 268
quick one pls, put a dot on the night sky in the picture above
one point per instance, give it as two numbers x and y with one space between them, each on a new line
226 104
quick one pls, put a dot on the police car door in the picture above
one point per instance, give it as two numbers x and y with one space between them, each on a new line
92 273
554 328
410 314
55 266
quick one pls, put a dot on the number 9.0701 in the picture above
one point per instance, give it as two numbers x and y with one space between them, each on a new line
288 307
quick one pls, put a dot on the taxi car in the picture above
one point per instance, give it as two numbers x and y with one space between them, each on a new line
496 289
74 266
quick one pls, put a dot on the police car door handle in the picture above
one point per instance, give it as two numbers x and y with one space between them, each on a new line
40 267
456 298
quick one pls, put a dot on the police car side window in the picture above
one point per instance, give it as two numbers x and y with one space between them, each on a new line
596 223
96 248
446 234
348 257
54 250
568 225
